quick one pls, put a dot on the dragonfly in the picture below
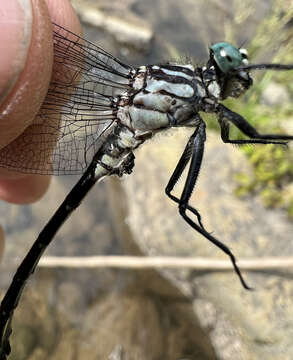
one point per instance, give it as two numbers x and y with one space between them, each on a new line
99 110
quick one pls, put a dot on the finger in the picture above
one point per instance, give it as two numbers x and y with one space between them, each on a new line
25 190
31 90
24 100
62 13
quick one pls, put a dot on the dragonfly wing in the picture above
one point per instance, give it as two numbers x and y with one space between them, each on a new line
77 113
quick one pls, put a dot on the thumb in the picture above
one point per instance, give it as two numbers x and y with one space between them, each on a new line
15 35
25 71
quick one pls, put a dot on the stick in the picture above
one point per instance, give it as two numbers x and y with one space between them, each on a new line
158 262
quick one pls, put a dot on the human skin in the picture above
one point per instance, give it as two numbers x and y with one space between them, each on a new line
25 73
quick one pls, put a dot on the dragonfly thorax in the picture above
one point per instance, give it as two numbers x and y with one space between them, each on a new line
162 96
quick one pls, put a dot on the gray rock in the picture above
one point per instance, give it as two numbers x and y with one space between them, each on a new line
241 324
128 30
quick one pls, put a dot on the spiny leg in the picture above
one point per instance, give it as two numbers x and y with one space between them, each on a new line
125 168
197 148
225 114
181 165
225 135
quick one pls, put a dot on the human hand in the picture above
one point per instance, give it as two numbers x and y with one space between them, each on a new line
25 72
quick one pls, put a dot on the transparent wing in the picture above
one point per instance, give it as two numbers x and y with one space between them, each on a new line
77 112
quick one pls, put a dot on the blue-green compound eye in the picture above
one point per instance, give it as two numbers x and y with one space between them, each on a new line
228 57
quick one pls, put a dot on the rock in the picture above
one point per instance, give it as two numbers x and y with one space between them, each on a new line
129 30
241 324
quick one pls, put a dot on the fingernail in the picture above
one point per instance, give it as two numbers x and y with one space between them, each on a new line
15 35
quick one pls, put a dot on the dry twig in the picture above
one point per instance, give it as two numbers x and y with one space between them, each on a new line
140 262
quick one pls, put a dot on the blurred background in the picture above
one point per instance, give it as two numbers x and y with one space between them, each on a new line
245 197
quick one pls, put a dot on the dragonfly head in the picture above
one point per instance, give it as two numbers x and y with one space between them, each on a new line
226 59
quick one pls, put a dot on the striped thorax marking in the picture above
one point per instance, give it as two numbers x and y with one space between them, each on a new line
161 93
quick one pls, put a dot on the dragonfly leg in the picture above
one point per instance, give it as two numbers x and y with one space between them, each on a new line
197 148
184 159
126 167
225 115
129 163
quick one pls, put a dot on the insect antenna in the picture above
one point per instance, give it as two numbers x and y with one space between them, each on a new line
265 66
